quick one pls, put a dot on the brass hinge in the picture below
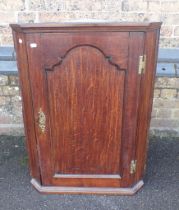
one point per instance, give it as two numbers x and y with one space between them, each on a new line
142 64
133 166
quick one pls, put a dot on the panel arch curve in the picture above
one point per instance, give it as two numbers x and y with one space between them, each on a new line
62 58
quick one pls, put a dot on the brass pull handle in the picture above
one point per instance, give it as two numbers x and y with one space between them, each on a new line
41 120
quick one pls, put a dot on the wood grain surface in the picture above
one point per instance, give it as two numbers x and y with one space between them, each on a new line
85 97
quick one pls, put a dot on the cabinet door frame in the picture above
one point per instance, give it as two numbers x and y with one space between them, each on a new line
135 49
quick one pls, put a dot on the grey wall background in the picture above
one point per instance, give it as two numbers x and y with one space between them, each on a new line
22 11
165 115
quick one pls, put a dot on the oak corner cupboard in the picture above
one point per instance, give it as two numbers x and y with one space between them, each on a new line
87 93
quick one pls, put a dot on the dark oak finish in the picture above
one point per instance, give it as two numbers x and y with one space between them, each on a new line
27 108
86 107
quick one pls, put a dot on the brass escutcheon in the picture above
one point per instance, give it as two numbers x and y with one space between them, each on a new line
41 120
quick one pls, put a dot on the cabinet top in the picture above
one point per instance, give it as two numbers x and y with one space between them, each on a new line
85 26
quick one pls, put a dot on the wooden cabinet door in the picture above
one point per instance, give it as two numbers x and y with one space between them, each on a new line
85 90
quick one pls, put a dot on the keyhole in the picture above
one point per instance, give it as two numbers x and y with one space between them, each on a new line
109 58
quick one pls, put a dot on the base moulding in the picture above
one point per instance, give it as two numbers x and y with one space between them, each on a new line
87 190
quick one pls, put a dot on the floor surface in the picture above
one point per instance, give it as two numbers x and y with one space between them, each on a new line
160 192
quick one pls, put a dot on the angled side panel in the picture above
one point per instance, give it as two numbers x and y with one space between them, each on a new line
146 100
22 62
131 101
